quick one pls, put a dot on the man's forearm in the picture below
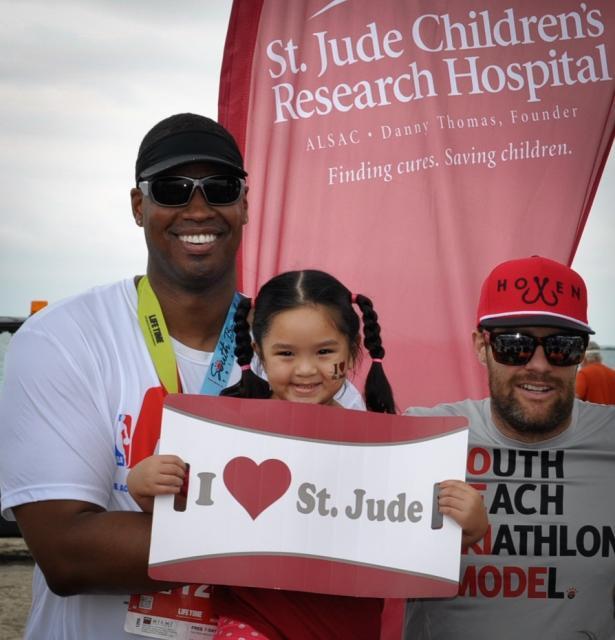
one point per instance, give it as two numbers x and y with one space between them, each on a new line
83 549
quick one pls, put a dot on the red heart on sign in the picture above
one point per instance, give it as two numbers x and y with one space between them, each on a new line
256 486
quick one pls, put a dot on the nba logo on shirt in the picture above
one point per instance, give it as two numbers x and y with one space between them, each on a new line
137 439
123 434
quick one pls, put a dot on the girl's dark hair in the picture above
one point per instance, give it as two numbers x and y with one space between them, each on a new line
294 289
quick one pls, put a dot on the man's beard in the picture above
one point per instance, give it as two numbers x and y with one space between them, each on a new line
512 412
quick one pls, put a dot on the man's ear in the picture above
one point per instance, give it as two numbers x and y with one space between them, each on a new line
136 203
244 202
480 346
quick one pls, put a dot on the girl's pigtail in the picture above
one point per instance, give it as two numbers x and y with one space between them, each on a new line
250 385
378 392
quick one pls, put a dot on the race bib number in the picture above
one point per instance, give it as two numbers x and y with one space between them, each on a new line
184 613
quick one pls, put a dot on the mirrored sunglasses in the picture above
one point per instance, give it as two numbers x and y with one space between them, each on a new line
177 191
517 349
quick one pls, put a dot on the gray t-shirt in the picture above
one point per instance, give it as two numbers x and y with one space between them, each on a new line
546 567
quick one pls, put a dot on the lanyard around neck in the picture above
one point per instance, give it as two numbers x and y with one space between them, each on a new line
158 341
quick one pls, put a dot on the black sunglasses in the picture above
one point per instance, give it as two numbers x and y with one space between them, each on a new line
177 191
517 349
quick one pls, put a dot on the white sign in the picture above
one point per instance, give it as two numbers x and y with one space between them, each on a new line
361 502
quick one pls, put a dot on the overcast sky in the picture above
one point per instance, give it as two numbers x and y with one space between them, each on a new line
80 84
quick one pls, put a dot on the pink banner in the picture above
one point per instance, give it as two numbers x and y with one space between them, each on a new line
408 147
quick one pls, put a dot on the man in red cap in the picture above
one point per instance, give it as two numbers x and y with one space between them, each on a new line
544 463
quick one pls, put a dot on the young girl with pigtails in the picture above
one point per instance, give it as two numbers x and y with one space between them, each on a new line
301 307
306 334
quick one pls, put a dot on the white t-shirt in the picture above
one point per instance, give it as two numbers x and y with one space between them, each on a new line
546 568
79 384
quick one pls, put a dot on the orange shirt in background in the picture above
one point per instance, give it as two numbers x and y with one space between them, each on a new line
596 383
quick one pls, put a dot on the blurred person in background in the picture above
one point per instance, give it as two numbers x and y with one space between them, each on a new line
595 381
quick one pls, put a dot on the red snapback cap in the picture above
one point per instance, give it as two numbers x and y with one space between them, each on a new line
533 291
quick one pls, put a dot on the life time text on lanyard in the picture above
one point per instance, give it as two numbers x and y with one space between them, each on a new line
159 345
185 610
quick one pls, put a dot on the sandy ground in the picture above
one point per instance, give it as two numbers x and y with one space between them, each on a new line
15 587
15 597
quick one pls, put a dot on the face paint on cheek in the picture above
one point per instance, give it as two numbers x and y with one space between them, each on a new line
339 371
